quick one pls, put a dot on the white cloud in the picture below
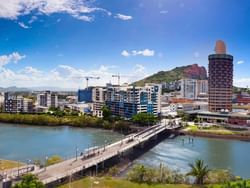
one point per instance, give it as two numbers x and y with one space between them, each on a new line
139 69
163 11
11 58
21 24
145 52
80 9
123 17
242 82
125 53
240 62
66 76
31 71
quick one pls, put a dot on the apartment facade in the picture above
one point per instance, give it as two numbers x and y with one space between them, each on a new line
193 89
47 99
99 98
17 104
220 80
127 101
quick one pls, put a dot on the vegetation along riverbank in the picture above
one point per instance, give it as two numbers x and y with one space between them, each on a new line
8 164
221 132
140 176
56 117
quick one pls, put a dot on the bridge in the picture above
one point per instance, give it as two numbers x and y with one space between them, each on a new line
97 156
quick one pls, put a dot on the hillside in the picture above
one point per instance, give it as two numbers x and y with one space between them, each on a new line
190 71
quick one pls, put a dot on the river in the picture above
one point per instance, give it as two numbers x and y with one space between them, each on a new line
21 142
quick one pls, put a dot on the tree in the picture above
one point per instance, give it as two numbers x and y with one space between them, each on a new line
106 113
199 171
137 174
144 119
217 176
113 171
29 181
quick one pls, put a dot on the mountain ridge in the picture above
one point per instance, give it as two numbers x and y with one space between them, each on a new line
193 71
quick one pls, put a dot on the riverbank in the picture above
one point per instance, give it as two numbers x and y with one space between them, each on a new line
8 164
82 121
216 132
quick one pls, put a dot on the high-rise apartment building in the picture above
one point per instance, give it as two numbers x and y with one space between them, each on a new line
47 99
188 88
220 80
193 88
85 95
99 98
126 101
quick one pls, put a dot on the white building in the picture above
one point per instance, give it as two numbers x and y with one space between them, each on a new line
47 100
84 108
194 89
98 98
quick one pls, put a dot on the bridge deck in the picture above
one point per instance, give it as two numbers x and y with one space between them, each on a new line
92 158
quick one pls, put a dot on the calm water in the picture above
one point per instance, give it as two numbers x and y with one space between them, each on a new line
224 154
20 142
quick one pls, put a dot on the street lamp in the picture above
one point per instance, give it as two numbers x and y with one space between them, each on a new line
46 159
105 144
76 152
17 168
28 162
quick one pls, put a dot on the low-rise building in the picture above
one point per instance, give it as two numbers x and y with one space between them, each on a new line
84 108
17 104
226 117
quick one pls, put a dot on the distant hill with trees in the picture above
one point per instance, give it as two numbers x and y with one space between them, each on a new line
190 71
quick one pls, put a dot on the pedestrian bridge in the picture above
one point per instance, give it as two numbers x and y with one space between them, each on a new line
97 156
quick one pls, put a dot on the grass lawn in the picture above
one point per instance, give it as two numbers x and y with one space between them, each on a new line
108 182
6 164
192 128
215 130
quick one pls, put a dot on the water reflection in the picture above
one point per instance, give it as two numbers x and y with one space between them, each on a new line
20 142
225 154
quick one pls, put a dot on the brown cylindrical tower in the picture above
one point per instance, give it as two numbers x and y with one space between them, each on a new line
220 81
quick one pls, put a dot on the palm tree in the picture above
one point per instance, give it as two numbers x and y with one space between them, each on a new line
199 171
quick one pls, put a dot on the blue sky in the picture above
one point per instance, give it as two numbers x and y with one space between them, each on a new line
55 42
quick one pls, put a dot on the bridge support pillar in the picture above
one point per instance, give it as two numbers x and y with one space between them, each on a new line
96 169
102 164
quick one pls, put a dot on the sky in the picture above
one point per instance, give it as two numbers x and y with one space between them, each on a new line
57 43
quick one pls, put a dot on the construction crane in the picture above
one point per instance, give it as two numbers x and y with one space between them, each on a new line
118 76
90 77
